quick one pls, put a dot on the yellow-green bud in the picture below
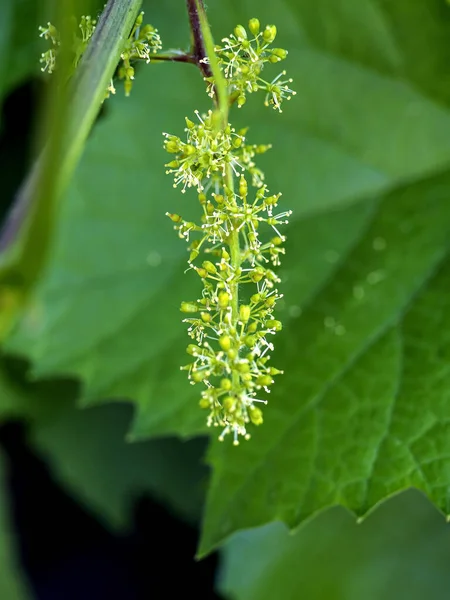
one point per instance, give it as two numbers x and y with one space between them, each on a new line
243 188
257 274
244 313
255 415
264 380
202 272
241 100
174 217
232 353
240 32
189 149
193 255
229 403
273 324
280 53
193 350
206 317
274 371
270 33
224 300
171 146
204 403
209 266
225 342
188 307
254 25
225 384
198 376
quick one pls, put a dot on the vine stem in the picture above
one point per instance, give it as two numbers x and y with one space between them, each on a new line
203 47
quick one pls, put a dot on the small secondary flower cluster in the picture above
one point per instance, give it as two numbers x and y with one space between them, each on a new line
233 249
80 42
243 58
141 44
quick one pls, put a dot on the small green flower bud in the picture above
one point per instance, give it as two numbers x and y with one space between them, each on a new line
270 33
252 327
277 241
256 298
193 255
250 341
206 317
243 367
244 313
254 26
273 324
210 208
139 20
272 200
229 403
262 148
198 376
270 301
241 100
255 415
240 32
189 149
171 146
243 188
174 217
280 53
224 300
202 198
193 350
225 342
231 353
225 384
264 380
173 164
204 403
257 274
202 272
209 266
188 307
274 371
127 86
190 124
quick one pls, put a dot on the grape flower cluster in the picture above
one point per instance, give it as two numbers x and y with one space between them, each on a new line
235 245
143 42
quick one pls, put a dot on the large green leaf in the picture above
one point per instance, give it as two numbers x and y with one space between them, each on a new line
361 410
401 552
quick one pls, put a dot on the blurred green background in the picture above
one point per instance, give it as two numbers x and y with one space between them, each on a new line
371 115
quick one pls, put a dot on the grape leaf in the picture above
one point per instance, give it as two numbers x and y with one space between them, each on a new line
363 409
400 551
